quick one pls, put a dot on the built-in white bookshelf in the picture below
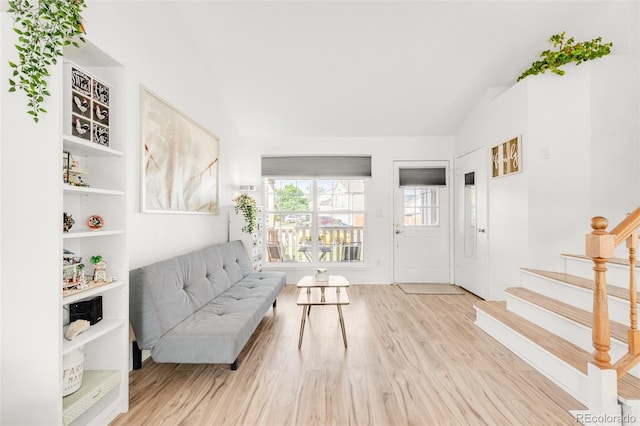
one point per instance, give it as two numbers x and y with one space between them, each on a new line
102 192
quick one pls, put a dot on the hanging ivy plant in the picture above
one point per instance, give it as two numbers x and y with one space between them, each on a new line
567 51
44 27
247 205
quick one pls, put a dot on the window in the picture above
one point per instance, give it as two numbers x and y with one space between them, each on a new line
421 206
314 220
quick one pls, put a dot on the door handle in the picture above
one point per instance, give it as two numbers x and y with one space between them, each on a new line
398 231
482 230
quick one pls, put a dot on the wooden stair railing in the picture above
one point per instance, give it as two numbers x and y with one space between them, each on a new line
600 246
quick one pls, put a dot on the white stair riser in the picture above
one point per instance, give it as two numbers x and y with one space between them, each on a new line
563 327
617 275
565 376
575 296
630 412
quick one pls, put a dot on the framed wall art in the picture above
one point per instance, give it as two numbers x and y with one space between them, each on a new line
506 158
86 100
180 160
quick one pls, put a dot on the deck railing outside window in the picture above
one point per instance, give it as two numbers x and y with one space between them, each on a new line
314 220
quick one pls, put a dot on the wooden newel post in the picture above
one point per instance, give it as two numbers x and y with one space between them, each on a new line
599 247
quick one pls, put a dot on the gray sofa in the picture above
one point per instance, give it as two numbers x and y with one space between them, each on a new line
201 307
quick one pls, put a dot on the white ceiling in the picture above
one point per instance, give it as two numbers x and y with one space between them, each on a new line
376 68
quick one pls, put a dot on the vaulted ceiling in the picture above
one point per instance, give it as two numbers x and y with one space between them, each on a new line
375 68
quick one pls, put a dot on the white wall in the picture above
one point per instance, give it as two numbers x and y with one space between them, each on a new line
165 72
559 194
378 268
615 125
30 226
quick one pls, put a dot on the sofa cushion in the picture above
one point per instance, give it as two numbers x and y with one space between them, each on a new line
163 294
219 330
158 299
235 261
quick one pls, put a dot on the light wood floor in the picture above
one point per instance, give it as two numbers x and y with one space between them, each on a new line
412 359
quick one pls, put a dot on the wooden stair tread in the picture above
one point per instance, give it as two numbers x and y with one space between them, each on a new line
612 290
566 351
616 260
618 331
628 386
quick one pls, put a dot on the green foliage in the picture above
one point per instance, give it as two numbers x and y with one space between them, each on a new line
44 27
291 198
566 52
96 259
247 205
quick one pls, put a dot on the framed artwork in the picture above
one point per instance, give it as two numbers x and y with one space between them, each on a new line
506 158
180 160
87 109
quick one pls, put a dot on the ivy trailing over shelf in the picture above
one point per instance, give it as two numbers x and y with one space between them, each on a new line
247 205
567 51
44 27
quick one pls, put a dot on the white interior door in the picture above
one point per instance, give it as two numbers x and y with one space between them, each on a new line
472 260
421 251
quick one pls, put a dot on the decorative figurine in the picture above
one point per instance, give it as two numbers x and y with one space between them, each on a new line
67 222
95 222
99 269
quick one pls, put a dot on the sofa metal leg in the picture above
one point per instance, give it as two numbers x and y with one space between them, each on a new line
234 366
136 355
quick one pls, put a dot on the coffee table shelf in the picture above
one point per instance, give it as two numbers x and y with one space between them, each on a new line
322 293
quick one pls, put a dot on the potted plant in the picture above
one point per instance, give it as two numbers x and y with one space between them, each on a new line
44 27
567 51
247 205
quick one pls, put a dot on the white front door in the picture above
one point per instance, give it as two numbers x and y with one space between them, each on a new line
421 228
472 261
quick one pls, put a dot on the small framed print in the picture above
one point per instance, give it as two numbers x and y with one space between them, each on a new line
80 127
100 114
80 82
100 134
80 105
87 112
506 158
100 92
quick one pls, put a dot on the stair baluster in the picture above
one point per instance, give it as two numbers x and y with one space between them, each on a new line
633 337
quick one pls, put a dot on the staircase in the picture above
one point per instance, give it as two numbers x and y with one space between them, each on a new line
547 321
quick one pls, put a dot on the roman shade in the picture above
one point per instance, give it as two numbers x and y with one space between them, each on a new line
317 165
432 176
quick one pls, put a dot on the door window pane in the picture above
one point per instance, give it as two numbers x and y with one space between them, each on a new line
470 231
421 206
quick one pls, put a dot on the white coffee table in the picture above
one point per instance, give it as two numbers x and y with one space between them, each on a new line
322 293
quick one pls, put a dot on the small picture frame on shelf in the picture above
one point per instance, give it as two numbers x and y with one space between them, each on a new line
80 127
66 166
80 81
80 105
100 114
87 112
100 134
100 92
